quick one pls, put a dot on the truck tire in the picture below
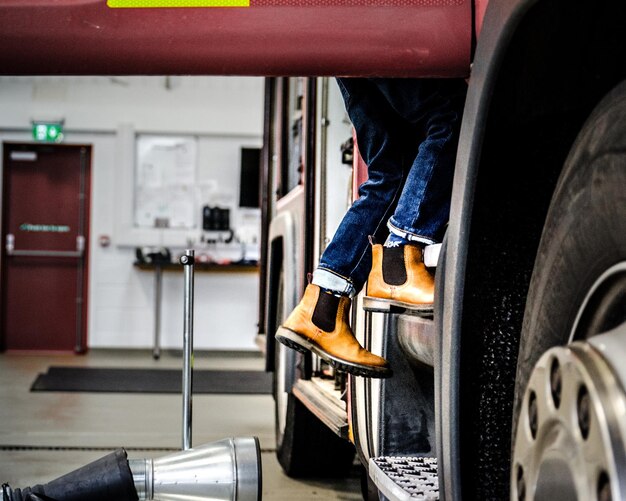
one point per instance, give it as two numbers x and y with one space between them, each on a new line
305 447
584 237
369 491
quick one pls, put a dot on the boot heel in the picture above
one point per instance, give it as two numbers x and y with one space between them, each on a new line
292 340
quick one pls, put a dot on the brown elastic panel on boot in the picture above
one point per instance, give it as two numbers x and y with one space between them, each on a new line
394 272
325 311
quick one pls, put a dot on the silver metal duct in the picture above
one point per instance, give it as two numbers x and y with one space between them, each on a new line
228 469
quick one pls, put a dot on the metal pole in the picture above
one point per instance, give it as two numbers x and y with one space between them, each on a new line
187 260
158 276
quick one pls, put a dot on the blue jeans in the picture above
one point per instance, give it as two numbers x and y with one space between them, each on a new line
407 133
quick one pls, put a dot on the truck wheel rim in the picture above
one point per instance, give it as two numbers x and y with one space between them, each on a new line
571 436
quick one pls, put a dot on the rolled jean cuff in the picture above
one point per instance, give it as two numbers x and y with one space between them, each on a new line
326 279
407 235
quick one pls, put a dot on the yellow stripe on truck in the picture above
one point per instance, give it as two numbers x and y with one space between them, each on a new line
118 4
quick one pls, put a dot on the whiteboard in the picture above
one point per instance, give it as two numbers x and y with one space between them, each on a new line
165 177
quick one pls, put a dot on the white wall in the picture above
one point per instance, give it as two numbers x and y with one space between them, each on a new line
225 113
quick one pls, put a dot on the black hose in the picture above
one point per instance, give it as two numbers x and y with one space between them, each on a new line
106 479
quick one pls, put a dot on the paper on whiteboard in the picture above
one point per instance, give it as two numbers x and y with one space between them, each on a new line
165 176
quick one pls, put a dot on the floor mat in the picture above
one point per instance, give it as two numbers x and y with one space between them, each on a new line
116 380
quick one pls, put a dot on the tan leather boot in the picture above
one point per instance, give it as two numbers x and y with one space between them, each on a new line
399 279
320 324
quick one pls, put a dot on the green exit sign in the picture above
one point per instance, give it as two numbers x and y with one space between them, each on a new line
49 132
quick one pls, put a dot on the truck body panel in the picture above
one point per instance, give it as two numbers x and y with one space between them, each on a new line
270 37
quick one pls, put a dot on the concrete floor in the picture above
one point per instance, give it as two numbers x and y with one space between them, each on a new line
45 435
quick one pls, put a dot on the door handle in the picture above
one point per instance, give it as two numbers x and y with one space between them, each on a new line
10 248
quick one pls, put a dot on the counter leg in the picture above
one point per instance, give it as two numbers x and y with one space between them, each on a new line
158 273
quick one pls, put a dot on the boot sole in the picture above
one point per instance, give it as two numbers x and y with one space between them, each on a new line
300 343
378 304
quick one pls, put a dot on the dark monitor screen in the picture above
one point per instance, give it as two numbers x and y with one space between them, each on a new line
249 191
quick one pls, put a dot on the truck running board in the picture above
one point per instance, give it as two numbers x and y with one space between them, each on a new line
319 396
405 478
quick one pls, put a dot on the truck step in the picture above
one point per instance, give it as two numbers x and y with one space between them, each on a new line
379 305
405 478
324 402
416 336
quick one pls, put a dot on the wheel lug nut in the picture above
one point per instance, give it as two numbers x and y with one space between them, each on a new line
555 382
604 488
533 419
584 411
521 484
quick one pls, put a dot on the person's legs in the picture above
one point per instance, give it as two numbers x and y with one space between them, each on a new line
384 136
398 275
424 205
346 261
320 321
435 106
400 124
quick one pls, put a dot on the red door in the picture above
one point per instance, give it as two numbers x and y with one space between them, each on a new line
44 254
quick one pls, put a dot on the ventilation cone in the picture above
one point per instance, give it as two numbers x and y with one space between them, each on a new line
229 469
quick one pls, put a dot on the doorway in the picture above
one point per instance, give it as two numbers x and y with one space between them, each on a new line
45 231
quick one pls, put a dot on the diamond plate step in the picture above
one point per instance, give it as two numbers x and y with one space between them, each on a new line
405 478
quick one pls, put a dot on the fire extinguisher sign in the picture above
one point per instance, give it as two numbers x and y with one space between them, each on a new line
120 4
